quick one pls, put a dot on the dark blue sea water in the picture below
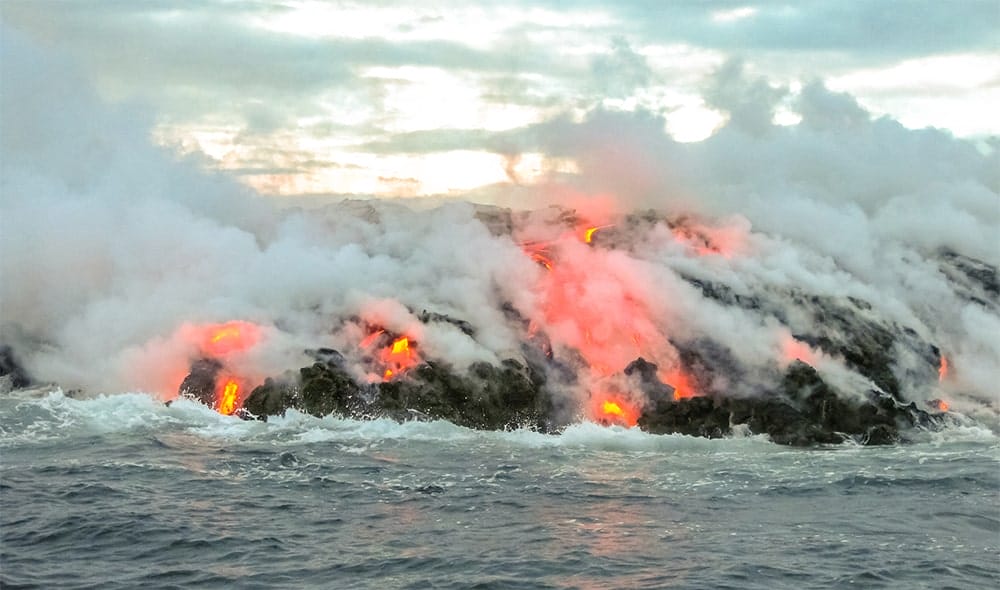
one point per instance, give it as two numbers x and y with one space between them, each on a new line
123 492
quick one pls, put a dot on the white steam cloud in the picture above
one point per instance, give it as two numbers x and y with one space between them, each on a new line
110 246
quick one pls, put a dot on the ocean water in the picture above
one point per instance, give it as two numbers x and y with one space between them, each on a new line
123 492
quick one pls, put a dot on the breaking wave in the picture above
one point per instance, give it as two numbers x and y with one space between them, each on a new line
35 418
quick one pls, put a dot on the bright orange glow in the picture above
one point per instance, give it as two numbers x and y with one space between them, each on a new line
229 397
542 259
613 410
680 382
398 357
938 404
943 370
588 234
598 305
792 350
222 339
539 252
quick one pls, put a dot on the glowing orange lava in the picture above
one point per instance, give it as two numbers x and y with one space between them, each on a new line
796 350
938 404
228 397
588 234
401 346
398 357
610 407
943 370
613 410
680 382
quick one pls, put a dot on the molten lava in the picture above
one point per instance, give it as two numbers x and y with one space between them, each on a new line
588 234
939 405
228 397
542 259
401 346
943 370
397 357
681 383
613 410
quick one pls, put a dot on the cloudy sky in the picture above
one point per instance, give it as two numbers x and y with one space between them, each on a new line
437 97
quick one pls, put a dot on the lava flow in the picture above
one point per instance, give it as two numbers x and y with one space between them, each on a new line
680 381
613 410
396 357
228 397
939 404
599 305
588 234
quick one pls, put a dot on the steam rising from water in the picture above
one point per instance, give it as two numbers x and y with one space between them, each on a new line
113 250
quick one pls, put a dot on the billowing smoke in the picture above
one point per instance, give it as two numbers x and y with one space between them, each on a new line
122 262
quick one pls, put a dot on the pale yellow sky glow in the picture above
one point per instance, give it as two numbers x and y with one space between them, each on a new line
411 99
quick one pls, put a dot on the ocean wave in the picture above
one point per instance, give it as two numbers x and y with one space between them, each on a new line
39 417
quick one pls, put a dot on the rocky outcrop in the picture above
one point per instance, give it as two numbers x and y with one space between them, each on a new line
484 397
200 384
804 411
12 373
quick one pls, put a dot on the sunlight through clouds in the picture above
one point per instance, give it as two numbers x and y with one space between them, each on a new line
409 98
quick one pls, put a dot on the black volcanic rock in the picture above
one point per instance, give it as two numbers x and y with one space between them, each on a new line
327 388
430 316
842 327
804 411
485 397
865 344
274 397
696 416
975 280
12 374
199 385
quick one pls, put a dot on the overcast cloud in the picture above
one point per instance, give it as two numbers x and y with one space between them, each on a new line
315 96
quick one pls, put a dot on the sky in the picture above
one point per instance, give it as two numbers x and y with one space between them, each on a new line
403 99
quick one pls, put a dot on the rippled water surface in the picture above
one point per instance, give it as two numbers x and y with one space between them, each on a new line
122 492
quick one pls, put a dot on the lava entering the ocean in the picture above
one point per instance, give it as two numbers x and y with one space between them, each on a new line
614 410
228 398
